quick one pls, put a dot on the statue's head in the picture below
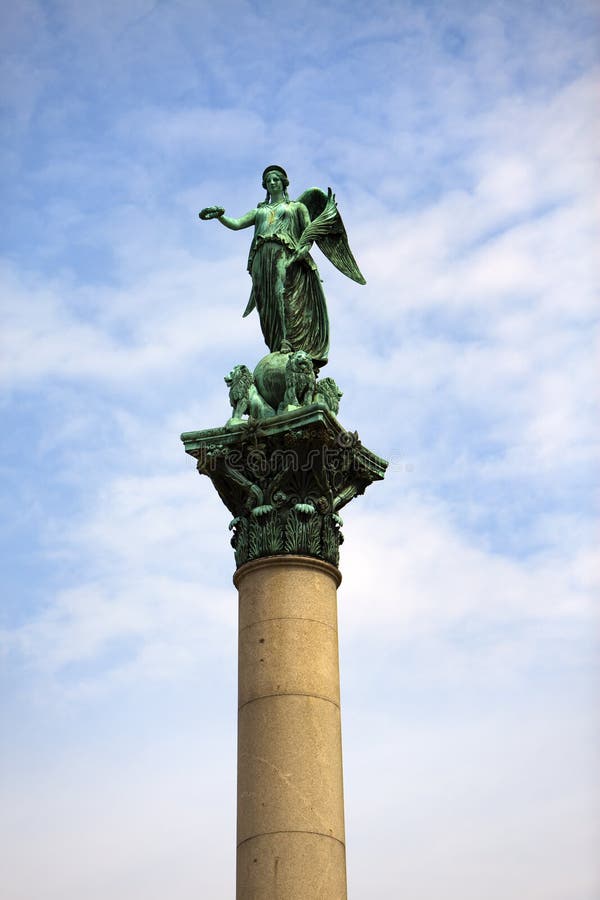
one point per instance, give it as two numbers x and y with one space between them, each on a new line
278 171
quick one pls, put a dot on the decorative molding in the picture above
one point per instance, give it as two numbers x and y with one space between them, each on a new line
284 479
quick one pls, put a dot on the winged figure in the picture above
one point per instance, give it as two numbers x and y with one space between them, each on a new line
286 287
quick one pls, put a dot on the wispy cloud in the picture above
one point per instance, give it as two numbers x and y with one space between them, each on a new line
459 141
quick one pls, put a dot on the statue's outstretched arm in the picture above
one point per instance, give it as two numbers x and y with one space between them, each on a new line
235 224
217 212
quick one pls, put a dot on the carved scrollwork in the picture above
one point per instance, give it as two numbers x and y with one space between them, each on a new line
284 479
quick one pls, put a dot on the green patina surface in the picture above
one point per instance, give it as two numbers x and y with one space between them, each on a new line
284 479
282 464
286 288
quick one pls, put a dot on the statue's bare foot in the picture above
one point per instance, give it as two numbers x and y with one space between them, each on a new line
286 347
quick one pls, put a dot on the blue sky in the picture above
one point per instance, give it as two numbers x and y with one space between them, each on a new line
459 139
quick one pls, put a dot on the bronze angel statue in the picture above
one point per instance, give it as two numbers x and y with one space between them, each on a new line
286 287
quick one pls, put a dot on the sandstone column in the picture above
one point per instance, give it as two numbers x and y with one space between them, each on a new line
285 480
290 831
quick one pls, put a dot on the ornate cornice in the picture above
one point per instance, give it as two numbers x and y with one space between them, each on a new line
284 479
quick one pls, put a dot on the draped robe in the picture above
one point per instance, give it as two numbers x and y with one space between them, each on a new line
293 308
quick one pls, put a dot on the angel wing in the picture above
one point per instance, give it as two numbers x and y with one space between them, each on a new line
327 230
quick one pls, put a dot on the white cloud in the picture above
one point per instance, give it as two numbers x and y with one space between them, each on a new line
498 806
167 318
434 576
460 145
199 131
111 810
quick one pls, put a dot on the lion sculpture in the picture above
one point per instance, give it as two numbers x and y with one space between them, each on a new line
301 389
299 381
328 393
244 397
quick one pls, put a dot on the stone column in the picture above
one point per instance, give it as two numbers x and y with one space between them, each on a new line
285 479
290 826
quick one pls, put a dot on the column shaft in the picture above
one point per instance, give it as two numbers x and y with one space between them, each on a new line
290 831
